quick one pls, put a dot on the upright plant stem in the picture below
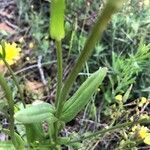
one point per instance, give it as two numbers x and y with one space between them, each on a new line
9 97
16 82
111 7
59 71
59 84
12 126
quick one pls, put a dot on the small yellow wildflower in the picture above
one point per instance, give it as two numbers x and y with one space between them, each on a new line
118 98
142 102
147 2
131 118
134 128
144 116
31 45
143 132
147 139
12 53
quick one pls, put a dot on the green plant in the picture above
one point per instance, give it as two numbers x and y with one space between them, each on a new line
124 70
121 109
34 116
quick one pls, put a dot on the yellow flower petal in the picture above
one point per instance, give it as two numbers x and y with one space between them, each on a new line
31 45
143 132
147 2
147 140
131 118
144 116
12 53
134 128
118 97
143 100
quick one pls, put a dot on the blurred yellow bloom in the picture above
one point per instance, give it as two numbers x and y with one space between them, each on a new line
143 99
147 2
143 132
118 97
31 45
147 139
131 118
12 53
142 102
144 116
134 128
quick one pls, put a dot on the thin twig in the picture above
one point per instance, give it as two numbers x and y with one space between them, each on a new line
34 66
111 129
41 70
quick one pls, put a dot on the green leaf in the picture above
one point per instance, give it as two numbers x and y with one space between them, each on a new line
6 145
7 90
57 19
3 104
36 113
66 140
2 46
34 132
96 33
78 101
127 93
19 141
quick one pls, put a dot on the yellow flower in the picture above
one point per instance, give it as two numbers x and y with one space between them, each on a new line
131 118
134 128
143 132
144 116
147 139
142 102
147 2
31 45
118 97
12 53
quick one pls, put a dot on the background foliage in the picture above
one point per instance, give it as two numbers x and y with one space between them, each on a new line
124 49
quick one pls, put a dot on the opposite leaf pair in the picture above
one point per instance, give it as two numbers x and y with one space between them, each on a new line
44 111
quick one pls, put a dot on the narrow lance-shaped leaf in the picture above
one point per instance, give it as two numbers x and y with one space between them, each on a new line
9 97
57 19
6 89
36 113
78 101
110 8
